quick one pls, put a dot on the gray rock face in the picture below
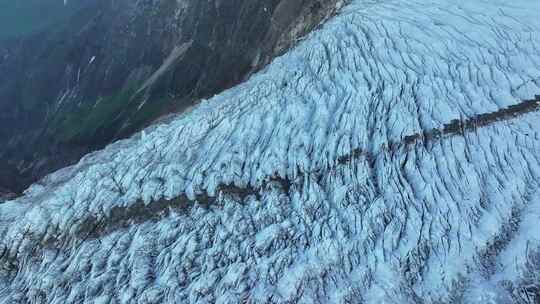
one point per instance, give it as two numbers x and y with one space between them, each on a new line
119 65
5 195
392 157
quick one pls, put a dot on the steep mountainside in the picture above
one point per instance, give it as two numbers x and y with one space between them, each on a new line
392 157
23 18
96 71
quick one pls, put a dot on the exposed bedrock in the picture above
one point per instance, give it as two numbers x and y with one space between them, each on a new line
392 157
111 67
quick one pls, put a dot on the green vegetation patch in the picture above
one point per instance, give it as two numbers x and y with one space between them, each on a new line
150 110
82 124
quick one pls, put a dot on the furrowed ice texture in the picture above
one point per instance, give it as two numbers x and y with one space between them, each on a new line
392 157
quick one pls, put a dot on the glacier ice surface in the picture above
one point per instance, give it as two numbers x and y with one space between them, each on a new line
286 189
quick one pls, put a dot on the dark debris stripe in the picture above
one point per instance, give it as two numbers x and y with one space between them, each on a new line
123 217
459 126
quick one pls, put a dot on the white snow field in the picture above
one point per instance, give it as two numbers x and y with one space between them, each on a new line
322 179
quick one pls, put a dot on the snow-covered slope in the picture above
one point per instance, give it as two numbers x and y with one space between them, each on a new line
337 175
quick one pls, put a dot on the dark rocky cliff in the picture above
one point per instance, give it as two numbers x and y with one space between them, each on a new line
112 67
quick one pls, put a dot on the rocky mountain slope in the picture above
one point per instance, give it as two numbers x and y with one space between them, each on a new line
392 157
91 72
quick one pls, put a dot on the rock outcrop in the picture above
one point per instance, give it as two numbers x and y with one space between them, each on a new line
112 67
392 157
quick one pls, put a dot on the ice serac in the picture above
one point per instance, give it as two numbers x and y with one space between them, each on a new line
392 157
95 71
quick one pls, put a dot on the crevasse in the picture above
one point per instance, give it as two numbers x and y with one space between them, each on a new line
319 180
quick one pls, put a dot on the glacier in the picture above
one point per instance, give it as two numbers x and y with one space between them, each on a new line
393 156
